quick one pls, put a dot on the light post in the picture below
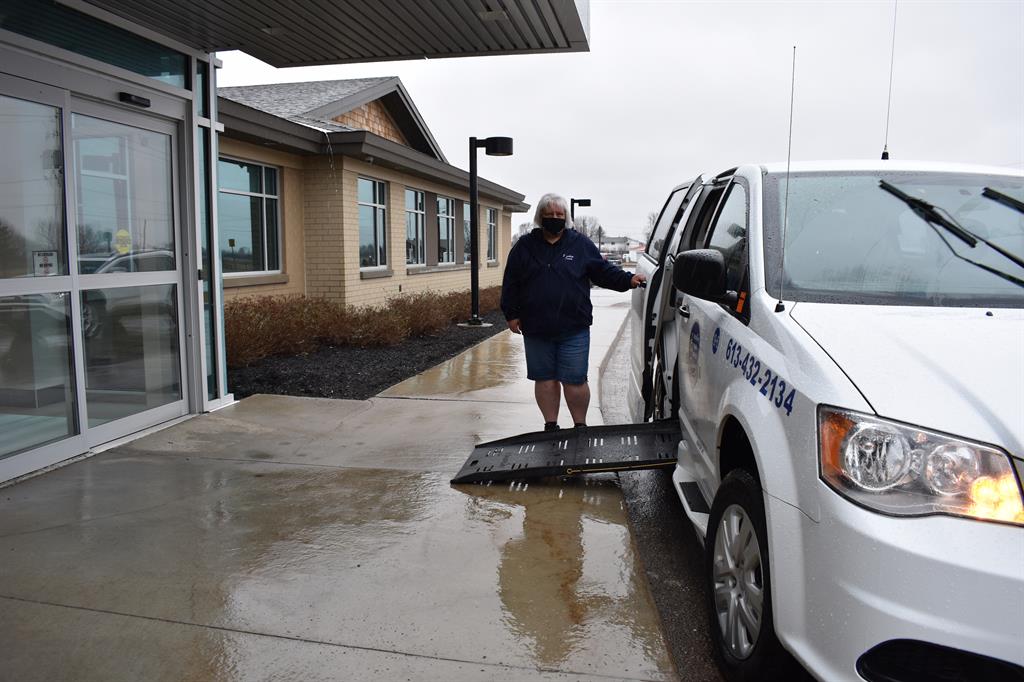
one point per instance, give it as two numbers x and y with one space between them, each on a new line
572 208
493 146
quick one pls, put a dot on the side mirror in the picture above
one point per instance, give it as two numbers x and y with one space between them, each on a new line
701 273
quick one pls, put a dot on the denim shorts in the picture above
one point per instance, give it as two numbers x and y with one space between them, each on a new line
562 358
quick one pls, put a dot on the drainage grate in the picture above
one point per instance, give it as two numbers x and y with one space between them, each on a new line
569 452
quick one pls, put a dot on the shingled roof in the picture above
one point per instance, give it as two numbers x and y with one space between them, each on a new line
314 104
298 117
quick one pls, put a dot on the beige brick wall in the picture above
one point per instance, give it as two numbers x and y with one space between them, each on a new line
292 218
320 231
359 291
375 118
324 204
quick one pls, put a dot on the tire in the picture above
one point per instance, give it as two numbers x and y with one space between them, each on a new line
658 393
739 584
663 396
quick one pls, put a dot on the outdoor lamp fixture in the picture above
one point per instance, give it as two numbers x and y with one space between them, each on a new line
572 207
494 146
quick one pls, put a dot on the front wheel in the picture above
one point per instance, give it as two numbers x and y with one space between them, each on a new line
739 585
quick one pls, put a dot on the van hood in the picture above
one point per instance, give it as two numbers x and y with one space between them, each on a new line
956 370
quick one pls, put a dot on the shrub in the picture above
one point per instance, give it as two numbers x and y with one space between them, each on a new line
368 326
490 299
255 327
425 313
258 326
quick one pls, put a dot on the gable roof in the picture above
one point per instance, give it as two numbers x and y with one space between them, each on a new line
309 136
314 104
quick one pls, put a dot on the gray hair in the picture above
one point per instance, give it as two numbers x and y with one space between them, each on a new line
549 200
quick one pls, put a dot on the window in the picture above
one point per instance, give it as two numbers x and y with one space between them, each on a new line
415 218
32 241
247 213
123 183
666 221
373 224
492 234
82 34
467 229
445 230
729 236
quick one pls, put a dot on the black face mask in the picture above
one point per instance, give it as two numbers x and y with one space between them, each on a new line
553 225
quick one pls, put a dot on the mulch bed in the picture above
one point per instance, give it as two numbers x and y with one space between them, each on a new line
357 373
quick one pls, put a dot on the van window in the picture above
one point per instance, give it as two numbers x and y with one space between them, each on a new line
666 221
729 236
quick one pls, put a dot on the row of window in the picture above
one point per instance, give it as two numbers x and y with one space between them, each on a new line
373 252
248 209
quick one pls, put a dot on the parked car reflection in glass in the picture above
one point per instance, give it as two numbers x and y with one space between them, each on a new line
119 306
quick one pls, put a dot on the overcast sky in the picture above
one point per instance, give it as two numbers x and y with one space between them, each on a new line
671 89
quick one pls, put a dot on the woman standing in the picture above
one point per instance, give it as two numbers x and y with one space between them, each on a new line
545 296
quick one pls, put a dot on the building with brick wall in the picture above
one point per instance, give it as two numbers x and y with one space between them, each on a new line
337 189
111 297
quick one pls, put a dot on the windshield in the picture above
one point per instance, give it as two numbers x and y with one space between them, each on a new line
850 241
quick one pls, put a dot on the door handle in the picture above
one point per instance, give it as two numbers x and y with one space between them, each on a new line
684 311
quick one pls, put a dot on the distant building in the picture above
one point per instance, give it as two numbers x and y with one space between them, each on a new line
615 245
636 247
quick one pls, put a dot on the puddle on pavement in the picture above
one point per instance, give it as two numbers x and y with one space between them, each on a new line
542 576
538 576
568 577
496 362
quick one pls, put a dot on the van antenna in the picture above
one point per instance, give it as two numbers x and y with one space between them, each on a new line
892 62
779 307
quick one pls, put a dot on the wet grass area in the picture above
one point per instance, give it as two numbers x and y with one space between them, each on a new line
354 373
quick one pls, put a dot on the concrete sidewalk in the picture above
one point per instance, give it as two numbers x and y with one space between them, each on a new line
309 539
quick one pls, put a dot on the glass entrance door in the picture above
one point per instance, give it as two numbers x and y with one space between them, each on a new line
91 323
38 387
128 268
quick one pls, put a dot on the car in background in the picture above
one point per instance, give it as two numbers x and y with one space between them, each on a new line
843 346
113 309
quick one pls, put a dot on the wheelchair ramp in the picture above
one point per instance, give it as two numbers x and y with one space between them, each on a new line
570 452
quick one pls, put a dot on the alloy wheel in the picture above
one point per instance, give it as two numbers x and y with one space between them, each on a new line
738 582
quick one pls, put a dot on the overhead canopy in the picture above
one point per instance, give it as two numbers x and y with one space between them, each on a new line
310 32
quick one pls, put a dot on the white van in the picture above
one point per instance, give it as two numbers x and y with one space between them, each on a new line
852 411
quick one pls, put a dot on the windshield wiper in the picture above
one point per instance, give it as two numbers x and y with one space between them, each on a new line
1004 199
929 213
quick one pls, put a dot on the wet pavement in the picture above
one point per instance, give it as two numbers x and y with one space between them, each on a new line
669 550
308 539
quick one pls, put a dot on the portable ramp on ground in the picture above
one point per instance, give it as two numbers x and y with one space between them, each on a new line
570 452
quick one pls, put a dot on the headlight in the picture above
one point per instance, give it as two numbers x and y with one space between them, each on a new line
902 470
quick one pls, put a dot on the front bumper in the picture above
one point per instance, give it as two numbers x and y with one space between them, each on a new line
857 579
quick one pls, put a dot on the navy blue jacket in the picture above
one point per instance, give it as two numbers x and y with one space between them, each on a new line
547 286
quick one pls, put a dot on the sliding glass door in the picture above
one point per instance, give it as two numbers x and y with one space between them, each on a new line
91 309
127 267
38 396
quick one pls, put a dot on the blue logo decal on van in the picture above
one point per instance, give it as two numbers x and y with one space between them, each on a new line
694 351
